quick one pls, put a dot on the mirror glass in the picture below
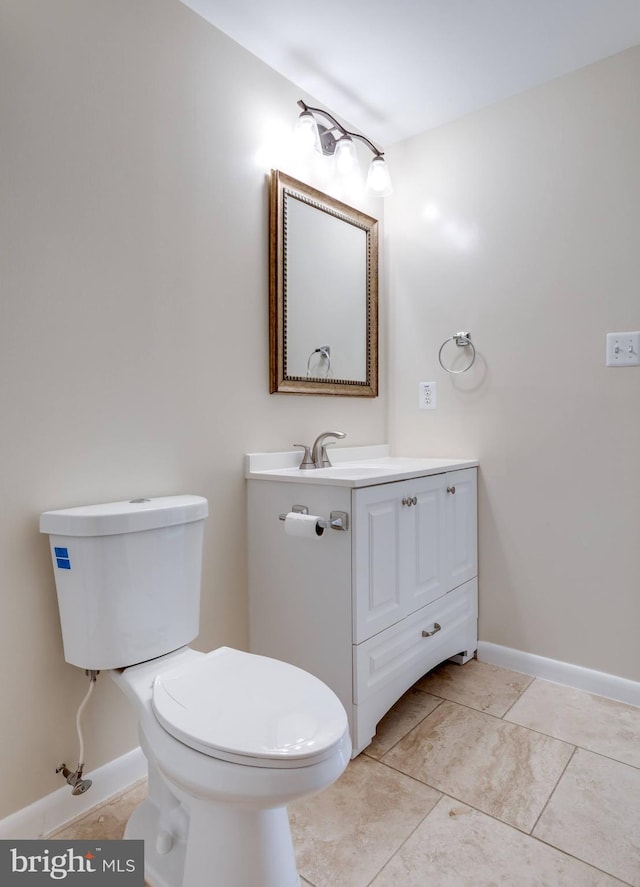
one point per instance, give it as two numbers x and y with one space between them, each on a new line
323 293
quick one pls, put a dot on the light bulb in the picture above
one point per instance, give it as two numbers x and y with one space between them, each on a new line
306 136
345 155
378 179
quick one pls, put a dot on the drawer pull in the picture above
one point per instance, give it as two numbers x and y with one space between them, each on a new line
451 489
436 627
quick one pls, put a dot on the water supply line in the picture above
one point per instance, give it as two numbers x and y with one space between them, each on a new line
74 777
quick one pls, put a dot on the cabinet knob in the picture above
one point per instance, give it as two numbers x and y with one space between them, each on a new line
410 500
436 627
451 489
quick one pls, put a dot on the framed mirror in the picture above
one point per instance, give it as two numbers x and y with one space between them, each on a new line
323 311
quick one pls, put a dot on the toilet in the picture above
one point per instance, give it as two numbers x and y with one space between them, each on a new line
230 737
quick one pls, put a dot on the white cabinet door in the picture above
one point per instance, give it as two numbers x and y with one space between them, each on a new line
399 552
376 561
422 541
462 527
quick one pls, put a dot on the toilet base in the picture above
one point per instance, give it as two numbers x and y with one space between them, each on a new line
160 870
238 846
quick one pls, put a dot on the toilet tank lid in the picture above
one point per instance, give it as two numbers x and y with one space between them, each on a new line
113 518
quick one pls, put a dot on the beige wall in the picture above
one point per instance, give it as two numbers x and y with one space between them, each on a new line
521 223
133 340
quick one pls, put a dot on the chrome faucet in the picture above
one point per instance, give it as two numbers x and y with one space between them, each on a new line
319 450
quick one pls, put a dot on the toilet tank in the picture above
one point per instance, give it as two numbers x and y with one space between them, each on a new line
127 577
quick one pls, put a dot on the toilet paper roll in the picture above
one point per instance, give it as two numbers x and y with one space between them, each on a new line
304 526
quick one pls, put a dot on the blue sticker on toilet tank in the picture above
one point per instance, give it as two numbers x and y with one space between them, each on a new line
62 558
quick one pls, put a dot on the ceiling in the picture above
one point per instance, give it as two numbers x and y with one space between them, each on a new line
394 69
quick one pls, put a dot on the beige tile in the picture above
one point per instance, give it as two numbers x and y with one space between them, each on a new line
344 835
500 768
123 805
594 814
592 722
108 820
476 684
408 711
456 845
95 825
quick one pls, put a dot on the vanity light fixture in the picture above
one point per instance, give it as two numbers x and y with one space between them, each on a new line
337 142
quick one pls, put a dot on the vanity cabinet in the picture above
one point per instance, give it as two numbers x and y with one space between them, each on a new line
413 541
371 609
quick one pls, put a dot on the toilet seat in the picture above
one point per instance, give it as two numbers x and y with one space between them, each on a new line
249 709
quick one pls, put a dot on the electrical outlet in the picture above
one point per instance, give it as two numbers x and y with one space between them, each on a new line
427 395
623 349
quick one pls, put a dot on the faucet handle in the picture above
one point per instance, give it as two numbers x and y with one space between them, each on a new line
324 456
307 461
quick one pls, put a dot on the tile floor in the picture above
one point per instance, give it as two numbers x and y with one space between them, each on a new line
478 775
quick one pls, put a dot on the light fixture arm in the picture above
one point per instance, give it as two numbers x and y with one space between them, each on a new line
340 127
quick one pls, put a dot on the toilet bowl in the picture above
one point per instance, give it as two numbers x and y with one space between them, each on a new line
231 739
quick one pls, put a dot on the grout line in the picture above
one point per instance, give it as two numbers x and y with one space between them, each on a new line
489 714
411 833
538 732
520 695
457 800
410 730
583 861
445 796
586 748
553 790
600 754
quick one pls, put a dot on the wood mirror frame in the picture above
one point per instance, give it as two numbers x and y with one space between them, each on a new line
321 251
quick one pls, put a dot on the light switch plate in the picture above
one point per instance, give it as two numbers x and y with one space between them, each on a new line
427 395
623 349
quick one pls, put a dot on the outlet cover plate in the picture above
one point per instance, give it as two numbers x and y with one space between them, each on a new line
427 395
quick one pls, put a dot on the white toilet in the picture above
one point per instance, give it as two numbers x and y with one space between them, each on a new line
231 738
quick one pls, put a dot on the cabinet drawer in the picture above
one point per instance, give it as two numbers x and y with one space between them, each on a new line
402 648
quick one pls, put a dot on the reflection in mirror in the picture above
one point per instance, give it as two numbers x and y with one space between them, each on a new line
323 293
327 304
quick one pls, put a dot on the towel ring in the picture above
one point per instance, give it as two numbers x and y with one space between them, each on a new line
325 352
462 340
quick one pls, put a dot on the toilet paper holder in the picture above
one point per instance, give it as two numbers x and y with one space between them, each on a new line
338 520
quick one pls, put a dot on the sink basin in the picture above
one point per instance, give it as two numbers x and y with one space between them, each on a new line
344 472
354 471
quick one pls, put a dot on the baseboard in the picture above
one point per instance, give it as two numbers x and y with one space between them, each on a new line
60 807
598 682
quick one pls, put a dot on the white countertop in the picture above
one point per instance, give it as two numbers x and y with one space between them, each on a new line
351 467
